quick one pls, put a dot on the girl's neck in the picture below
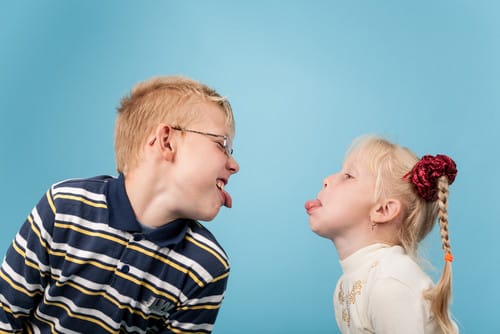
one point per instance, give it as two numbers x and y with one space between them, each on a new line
346 246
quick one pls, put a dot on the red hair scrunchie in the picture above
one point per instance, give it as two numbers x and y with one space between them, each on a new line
426 172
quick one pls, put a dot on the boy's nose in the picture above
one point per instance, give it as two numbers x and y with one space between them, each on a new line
233 165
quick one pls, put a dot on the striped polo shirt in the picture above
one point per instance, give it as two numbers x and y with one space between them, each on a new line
81 263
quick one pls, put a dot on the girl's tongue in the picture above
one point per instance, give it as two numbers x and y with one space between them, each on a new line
312 204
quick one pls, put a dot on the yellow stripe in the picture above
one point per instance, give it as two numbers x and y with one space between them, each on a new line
81 317
210 250
147 285
170 263
220 277
18 250
91 233
138 249
200 307
35 230
18 287
81 199
7 309
49 199
27 261
52 330
79 261
118 273
112 269
109 298
178 331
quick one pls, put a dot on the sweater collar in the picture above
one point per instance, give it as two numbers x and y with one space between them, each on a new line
122 217
362 256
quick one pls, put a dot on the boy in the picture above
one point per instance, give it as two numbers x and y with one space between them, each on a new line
126 254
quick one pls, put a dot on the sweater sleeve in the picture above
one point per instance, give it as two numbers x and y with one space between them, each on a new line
393 307
25 269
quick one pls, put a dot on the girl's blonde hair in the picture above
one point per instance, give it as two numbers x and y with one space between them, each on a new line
390 163
157 100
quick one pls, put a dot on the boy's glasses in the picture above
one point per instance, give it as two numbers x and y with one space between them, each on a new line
228 145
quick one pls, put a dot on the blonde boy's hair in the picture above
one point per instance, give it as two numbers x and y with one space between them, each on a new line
390 163
157 100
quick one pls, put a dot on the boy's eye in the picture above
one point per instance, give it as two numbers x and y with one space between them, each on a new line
221 146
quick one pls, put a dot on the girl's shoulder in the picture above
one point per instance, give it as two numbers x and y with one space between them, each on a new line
396 265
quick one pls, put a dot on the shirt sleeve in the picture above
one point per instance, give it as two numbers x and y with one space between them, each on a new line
25 269
199 312
394 307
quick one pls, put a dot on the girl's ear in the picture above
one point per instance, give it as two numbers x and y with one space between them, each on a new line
385 211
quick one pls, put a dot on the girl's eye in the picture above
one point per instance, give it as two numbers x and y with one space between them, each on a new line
348 176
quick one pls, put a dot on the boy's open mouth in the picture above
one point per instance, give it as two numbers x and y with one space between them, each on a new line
226 198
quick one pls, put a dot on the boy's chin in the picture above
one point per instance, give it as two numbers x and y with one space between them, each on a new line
208 216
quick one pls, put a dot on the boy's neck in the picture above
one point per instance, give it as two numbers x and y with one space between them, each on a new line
142 193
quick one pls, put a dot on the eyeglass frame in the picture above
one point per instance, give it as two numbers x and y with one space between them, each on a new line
227 144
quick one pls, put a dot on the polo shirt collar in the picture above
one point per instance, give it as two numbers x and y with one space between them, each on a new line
122 217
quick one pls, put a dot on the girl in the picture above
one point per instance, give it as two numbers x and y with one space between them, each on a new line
376 210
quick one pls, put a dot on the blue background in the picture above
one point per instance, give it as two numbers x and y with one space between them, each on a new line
304 78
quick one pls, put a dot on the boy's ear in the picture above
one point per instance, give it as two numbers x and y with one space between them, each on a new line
385 211
165 141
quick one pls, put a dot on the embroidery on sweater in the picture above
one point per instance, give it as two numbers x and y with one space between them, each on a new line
160 306
347 300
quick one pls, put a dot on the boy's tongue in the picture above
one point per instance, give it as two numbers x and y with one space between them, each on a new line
228 201
311 204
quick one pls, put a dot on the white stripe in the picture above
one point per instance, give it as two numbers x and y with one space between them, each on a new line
6 327
189 263
55 322
91 225
124 300
30 255
14 308
156 282
19 279
106 289
190 326
84 311
80 192
210 299
107 260
209 243
112 262
186 262
36 330
39 223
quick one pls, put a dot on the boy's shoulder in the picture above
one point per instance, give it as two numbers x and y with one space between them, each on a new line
91 183
205 249
82 186
83 191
